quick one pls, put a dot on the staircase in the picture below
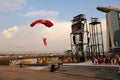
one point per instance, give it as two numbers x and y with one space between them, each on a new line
101 72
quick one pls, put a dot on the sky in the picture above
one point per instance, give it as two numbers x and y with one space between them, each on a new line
17 15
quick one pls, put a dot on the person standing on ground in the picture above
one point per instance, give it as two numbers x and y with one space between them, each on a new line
93 59
119 64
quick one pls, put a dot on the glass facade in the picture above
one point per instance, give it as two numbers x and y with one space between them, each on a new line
113 27
119 19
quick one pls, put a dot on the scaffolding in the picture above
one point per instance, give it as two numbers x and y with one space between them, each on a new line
79 37
96 46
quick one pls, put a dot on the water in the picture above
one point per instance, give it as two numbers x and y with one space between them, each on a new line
38 67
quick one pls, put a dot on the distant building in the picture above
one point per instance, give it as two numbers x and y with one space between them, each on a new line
113 26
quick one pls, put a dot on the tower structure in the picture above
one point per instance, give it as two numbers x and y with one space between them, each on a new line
113 27
96 38
78 43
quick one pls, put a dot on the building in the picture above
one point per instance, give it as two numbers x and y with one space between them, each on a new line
96 47
78 35
113 27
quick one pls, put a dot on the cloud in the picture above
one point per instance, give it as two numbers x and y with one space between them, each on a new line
10 5
42 13
25 38
9 33
30 38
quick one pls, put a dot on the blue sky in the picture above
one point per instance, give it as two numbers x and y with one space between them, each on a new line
66 9
16 15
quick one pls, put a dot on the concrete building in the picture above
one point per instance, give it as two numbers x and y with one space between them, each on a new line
79 31
113 26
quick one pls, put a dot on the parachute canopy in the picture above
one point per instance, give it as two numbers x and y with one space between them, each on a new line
47 23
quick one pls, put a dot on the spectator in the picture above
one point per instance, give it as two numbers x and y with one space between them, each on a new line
119 63
96 60
93 59
107 60
100 60
115 60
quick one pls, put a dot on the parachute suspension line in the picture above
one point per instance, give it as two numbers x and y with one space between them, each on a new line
47 23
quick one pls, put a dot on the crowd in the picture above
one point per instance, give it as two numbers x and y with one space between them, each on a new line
107 60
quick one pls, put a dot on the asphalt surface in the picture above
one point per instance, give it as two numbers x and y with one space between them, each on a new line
17 73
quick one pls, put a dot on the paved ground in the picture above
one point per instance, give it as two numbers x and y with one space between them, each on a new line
16 73
102 71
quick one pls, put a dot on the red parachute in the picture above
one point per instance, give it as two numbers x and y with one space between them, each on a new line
47 23
44 40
